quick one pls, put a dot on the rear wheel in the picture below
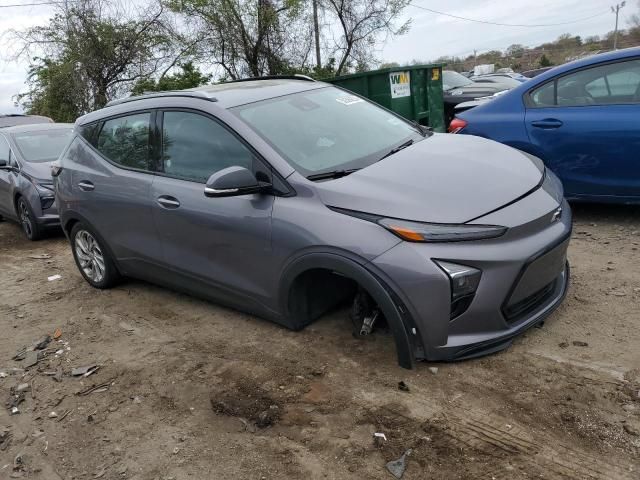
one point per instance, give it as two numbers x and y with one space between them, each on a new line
28 220
92 258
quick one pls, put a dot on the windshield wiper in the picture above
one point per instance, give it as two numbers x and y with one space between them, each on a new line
332 174
406 144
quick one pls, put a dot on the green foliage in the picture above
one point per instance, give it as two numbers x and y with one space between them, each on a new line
52 91
544 61
189 77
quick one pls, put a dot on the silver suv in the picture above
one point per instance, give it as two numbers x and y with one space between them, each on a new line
286 198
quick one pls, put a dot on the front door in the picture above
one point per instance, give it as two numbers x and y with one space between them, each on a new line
224 242
586 127
7 179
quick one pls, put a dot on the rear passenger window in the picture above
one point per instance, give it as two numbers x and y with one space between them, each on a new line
125 140
194 147
544 96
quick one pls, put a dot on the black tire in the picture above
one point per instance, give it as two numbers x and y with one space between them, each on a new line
92 257
27 220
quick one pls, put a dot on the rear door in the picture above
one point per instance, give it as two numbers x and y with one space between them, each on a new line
111 185
585 125
224 242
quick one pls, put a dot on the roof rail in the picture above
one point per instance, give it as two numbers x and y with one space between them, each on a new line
168 93
296 76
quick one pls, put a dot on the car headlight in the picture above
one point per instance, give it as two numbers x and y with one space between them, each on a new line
464 281
439 232
46 192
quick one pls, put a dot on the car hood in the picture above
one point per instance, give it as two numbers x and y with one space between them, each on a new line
38 170
442 179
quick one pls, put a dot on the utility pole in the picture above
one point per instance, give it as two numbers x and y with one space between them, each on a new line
317 34
616 10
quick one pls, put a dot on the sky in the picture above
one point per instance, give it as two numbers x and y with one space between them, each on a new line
430 36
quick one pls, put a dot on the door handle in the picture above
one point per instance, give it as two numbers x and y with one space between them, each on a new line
86 186
166 201
547 123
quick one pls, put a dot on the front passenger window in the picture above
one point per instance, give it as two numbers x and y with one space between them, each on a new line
194 147
125 140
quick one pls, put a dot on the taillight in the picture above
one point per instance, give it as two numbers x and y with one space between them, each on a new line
456 125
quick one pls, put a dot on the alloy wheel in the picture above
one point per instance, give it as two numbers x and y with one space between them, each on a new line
25 218
89 256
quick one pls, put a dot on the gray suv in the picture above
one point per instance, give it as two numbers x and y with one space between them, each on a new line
285 197
26 186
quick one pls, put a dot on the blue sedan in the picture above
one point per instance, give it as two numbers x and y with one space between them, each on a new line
582 119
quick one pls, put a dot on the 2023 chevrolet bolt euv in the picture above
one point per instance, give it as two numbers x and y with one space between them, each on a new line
287 197
26 186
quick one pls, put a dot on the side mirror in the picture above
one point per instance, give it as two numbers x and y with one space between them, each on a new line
233 181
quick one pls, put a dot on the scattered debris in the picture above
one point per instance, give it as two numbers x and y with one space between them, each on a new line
433 370
397 467
103 387
31 359
54 277
39 256
617 293
5 439
563 344
15 399
23 387
64 415
403 386
137 400
42 343
379 439
84 371
126 327
578 343
53 415
57 334
248 426
4 374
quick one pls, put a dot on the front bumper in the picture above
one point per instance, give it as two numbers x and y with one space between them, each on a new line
525 276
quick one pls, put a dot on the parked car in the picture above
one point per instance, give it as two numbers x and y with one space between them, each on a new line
502 78
26 186
581 119
269 196
13 119
535 72
458 89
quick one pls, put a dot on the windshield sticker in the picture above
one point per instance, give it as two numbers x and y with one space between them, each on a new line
400 82
349 100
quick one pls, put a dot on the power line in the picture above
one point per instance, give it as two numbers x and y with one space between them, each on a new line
33 4
506 24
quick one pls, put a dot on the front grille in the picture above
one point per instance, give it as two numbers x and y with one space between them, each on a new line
520 309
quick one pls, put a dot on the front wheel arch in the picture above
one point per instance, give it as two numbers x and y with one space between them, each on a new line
390 305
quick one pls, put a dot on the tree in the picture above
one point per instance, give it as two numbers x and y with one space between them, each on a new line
516 50
94 48
189 77
248 37
544 61
363 24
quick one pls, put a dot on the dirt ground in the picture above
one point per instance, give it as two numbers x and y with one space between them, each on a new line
189 390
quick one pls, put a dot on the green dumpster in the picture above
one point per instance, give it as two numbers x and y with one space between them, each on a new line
414 92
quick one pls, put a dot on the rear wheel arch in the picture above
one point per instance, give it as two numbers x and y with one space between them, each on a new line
70 219
295 278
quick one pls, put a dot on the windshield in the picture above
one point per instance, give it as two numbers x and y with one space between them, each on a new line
327 129
451 79
42 146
